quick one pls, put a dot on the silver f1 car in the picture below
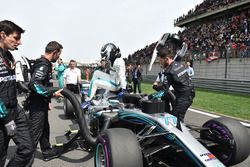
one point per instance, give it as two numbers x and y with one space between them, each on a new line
138 132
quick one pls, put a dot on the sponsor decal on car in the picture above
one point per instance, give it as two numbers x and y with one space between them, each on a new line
170 120
208 156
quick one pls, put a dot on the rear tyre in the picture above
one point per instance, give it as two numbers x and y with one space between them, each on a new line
118 147
233 139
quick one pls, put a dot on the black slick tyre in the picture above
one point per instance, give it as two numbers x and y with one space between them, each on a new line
232 137
118 147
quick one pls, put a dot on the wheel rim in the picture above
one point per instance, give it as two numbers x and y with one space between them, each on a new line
221 135
101 160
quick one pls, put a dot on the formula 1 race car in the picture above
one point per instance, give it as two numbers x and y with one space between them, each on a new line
138 132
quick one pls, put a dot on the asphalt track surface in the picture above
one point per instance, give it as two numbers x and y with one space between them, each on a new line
79 158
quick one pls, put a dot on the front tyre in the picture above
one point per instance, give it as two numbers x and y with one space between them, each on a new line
118 147
232 137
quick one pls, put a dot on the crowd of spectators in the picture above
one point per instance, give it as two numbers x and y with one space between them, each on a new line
229 34
143 55
206 6
225 35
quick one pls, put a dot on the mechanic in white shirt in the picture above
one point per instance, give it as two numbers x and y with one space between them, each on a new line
72 77
190 70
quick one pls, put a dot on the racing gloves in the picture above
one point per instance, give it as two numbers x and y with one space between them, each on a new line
121 93
157 87
10 128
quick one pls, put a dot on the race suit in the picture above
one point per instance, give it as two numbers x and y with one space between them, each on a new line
114 81
60 70
175 75
10 110
39 100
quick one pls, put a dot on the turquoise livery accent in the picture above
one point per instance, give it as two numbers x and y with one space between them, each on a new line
3 110
41 91
138 118
171 120
158 95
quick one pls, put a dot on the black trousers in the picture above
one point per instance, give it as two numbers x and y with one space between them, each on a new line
40 128
23 140
137 83
73 88
182 104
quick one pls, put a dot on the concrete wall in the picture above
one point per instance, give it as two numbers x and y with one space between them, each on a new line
235 69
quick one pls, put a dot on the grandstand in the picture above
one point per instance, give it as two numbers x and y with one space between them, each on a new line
217 33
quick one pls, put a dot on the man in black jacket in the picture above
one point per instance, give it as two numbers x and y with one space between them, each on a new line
137 77
40 97
170 49
175 75
13 121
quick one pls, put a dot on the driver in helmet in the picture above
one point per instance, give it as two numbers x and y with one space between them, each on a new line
115 80
174 74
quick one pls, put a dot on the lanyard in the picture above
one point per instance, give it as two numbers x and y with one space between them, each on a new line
9 63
